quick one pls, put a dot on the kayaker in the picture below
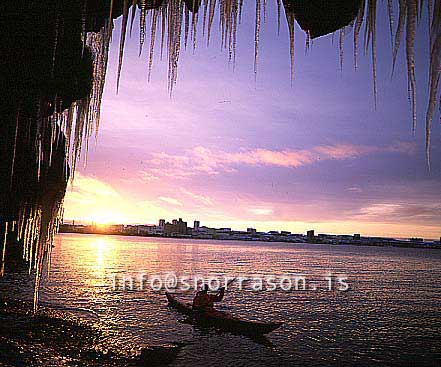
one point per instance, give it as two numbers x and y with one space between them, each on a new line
203 301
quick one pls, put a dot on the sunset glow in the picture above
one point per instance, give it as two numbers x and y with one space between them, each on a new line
234 153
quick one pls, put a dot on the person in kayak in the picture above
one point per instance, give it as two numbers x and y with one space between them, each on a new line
203 301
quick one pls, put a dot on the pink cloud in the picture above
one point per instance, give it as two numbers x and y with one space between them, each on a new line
206 161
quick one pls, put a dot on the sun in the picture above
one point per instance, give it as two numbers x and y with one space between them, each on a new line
108 217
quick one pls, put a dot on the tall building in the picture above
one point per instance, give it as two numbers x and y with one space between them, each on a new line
310 236
162 223
196 225
176 227
181 226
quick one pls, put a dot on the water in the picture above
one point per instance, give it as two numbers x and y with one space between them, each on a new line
390 314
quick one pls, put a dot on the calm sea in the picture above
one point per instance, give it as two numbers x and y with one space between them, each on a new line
391 312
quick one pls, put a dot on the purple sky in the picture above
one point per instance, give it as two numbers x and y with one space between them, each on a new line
234 152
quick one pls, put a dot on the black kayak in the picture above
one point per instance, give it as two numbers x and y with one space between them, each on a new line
222 319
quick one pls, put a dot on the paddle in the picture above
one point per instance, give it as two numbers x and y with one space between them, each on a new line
229 282
226 285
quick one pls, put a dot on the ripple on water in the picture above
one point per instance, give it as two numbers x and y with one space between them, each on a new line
391 313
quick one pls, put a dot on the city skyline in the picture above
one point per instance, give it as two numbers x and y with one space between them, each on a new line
199 225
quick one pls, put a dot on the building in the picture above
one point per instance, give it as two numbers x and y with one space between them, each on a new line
310 236
149 230
177 227
131 229
251 230
162 223
196 225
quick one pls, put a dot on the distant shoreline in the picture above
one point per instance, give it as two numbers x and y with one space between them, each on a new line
387 242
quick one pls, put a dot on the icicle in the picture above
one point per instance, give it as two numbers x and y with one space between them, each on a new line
419 9
83 26
55 47
410 52
290 17
279 4
234 33
122 40
2 270
222 22
399 32
194 29
371 37
429 12
175 10
39 157
307 41
110 26
264 11
205 17
256 39
341 47
17 121
133 15
163 23
186 26
152 44
52 141
210 19
142 25
434 73
390 10
374 48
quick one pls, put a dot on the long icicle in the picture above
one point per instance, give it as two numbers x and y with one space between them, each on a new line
341 46
2 270
390 10
410 56
14 151
152 43
358 24
434 72
399 32
256 39
122 41
374 49
142 26
133 15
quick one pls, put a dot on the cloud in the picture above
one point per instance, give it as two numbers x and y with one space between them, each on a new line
92 200
169 200
401 212
201 160
261 211
205 200
148 176
379 210
354 189
86 185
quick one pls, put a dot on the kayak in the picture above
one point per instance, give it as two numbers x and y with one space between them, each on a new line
223 319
